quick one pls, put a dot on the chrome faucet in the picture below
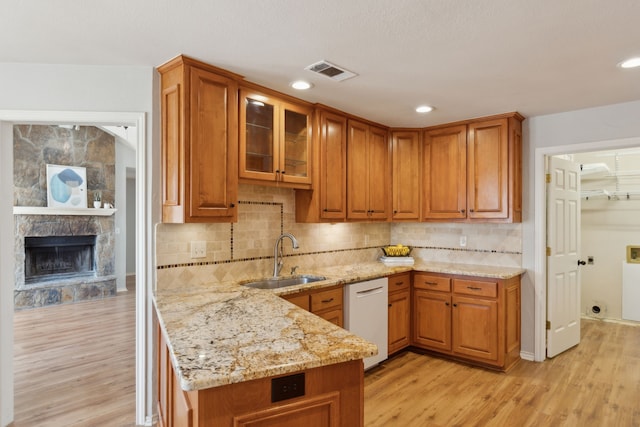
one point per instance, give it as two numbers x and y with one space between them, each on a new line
277 255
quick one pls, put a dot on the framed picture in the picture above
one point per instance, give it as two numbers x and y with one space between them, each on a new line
66 186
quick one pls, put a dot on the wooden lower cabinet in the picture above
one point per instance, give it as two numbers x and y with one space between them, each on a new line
476 319
333 397
399 301
325 303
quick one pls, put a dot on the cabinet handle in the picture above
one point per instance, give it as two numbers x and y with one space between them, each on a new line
324 301
474 288
431 283
400 283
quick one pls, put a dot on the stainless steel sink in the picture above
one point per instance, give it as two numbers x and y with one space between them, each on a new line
283 282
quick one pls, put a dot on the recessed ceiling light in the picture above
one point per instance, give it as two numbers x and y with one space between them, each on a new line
301 85
424 109
630 63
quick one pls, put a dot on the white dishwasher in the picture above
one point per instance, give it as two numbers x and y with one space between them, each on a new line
366 313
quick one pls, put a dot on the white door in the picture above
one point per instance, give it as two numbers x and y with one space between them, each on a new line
563 246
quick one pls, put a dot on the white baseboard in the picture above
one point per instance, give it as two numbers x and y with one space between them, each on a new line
525 355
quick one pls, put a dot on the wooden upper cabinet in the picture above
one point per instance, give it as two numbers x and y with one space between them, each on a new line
199 142
473 171
328 201
275 140
488 166
368 171
405 175
444 174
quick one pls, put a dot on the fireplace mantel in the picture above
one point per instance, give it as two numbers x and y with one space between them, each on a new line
41 210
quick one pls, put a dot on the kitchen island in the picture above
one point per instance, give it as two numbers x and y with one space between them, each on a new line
231 355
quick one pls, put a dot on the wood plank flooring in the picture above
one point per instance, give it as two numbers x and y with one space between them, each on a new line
594 384
74 366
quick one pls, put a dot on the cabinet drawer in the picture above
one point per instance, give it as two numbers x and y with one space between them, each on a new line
399 282
472 287
326 299
433 283
301 301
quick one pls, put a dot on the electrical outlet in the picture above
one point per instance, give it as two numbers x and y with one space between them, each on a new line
463 240
198 249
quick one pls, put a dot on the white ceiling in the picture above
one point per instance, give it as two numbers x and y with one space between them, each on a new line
468 58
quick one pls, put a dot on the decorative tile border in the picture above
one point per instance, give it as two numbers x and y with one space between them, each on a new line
229 261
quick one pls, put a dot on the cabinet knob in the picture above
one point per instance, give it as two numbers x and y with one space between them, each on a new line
395 212
461 210
232 205
390 305
455 305
446 303
282 172
471 210
326 210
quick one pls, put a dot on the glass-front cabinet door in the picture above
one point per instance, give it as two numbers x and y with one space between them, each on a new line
275 140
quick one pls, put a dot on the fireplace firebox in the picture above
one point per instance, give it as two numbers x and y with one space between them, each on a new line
59 257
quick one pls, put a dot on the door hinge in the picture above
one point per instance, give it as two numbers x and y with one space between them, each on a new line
547 178
548 326
548 251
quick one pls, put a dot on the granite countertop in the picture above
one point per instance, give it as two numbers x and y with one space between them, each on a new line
224 333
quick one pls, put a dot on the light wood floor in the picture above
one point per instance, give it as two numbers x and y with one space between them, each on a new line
594 384
74 366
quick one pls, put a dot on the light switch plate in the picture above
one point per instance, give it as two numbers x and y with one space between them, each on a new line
198 249
463 240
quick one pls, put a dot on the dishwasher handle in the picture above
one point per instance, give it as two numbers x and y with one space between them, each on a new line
368 291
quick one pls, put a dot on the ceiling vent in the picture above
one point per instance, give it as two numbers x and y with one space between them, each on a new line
330 70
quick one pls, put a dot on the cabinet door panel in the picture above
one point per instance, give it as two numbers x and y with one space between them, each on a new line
475 328
333 166
357 171
378 172
444 183
399 326
258 139
295 149
432 320
406 175
488 166
213 156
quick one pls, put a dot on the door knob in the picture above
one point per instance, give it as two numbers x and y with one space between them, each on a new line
580 262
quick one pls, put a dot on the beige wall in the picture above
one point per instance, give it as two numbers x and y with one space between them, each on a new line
244 250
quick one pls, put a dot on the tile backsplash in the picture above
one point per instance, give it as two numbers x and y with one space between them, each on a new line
244 250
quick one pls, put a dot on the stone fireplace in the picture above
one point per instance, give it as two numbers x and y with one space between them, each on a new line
63 258
62 255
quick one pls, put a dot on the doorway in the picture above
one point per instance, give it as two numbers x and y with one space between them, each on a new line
144 352
540 227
